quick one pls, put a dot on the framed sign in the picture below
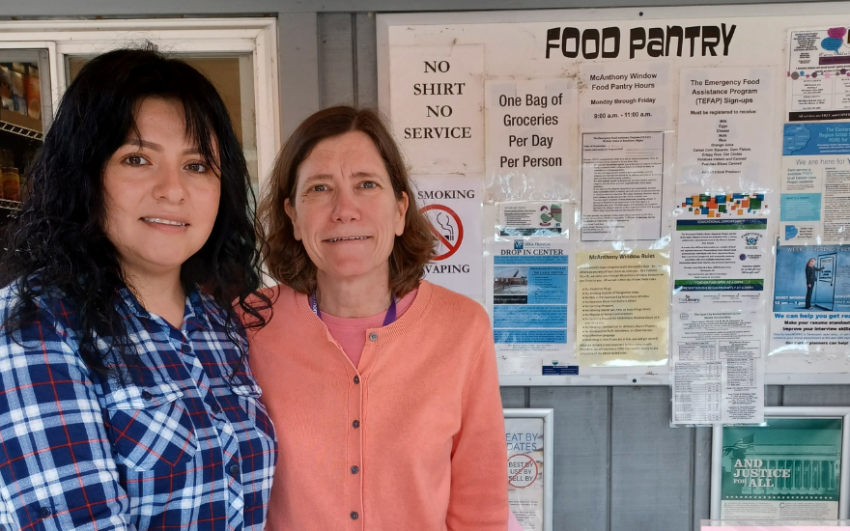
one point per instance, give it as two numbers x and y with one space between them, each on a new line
528 438
793 468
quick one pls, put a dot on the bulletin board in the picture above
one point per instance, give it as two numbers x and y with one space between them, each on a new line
637 196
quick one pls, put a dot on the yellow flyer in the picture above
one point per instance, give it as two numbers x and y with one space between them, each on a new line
622 306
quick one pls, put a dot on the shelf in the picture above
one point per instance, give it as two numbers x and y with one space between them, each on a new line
9 205
21 131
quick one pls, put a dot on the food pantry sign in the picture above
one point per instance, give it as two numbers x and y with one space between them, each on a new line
452 206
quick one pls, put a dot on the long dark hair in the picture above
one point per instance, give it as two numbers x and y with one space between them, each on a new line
58 243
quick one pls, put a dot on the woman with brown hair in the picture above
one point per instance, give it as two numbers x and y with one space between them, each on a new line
383 387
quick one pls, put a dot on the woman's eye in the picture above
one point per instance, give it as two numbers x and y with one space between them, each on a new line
197 167
369 184
319 188
136 160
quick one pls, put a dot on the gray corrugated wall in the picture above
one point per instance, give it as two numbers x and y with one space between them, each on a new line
618 464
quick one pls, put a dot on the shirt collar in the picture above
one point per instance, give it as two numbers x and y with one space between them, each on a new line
194 315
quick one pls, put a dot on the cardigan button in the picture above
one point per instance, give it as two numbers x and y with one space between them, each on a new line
373 336
357 379
354 470
354 515
356 424
147 395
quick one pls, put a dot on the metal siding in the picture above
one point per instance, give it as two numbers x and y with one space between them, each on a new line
581 455
651 463
188 8
366 72
336 59
513 397
299 94
816 395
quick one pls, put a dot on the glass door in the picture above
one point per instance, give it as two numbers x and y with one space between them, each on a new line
825 286
25 114
239 55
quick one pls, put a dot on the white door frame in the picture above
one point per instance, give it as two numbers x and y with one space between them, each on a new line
204 35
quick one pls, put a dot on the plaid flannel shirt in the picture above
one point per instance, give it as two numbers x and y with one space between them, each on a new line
181 447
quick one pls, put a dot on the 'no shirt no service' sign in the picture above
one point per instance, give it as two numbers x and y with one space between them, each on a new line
447 228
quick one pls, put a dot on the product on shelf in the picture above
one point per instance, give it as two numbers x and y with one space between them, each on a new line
33 93
18 91
6 99
11 184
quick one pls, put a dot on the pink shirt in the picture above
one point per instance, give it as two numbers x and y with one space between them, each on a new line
350 332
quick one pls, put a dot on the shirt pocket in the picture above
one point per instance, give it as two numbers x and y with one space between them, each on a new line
150 427
241 403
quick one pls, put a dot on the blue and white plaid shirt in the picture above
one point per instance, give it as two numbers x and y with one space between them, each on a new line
181 447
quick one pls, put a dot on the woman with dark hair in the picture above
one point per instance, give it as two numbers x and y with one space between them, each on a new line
127 402
384 384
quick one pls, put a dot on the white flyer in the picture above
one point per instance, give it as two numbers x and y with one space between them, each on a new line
622 186
529 134
437 107
726 131
452 206
718 364
632 96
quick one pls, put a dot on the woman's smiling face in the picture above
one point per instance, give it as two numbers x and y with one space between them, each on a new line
345 212
161 196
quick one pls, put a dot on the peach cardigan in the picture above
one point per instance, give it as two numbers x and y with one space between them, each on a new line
413 439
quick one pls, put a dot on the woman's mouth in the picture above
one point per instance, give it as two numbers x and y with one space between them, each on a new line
162 221
347 239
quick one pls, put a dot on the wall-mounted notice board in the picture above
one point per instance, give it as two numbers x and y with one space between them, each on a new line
630 190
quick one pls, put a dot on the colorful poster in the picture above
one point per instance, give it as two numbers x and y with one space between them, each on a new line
786 471
811 301
436 106
452 205
528 137
818 86
727 254
815 184
726 141
525 442
622 186
528 298
622 307
544 218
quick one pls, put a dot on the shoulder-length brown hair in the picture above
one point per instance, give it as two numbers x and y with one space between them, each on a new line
285 257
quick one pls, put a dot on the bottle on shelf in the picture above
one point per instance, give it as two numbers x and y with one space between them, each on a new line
11 184
19 94
33 93
6 100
